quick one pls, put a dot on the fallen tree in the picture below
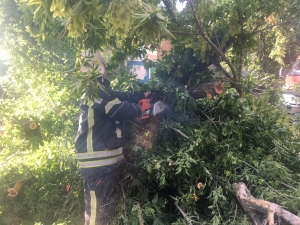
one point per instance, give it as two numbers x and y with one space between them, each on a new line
261 211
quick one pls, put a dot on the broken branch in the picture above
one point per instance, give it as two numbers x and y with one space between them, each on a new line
259 209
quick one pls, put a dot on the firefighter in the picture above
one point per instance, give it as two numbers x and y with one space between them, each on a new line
99 148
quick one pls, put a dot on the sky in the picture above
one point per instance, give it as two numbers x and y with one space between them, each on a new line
3 54
179 5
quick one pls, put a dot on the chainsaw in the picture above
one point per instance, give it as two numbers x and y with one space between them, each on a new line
151 108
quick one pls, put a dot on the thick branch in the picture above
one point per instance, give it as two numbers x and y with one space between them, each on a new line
167 3
184 215
222 69
206 90
241 41
259 209
207 39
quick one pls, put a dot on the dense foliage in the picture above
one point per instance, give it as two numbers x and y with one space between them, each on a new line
192 155
38 116
181 164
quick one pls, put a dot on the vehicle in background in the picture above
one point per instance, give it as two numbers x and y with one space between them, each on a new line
291 98
292 77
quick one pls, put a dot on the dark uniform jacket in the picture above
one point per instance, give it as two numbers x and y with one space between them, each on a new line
99 141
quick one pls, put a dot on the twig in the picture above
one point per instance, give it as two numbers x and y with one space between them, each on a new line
184 32
241 36
217 38
140 214
288 186
13 155
63 32
265 222
171 82
107 204
179 132
235 213
257 26
222 69
124 196
184 215
255 93
257 171
26 167
209 118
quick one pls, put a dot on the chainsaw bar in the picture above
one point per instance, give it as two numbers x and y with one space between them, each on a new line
157 108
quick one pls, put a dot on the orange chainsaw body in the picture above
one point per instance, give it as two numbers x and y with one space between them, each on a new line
145 105
150 109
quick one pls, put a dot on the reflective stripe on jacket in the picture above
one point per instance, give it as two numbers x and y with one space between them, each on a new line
99 139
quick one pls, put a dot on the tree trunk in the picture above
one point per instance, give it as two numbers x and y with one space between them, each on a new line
208 90
262 212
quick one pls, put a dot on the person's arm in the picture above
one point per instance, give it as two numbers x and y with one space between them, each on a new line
117 109
117 104
126 109
131 97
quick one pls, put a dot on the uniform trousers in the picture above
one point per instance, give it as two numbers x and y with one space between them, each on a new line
100 196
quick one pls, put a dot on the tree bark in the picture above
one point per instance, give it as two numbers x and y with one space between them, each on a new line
208 90
262 212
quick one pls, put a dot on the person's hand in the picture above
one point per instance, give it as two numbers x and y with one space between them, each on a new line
147 94
105 71
105 74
